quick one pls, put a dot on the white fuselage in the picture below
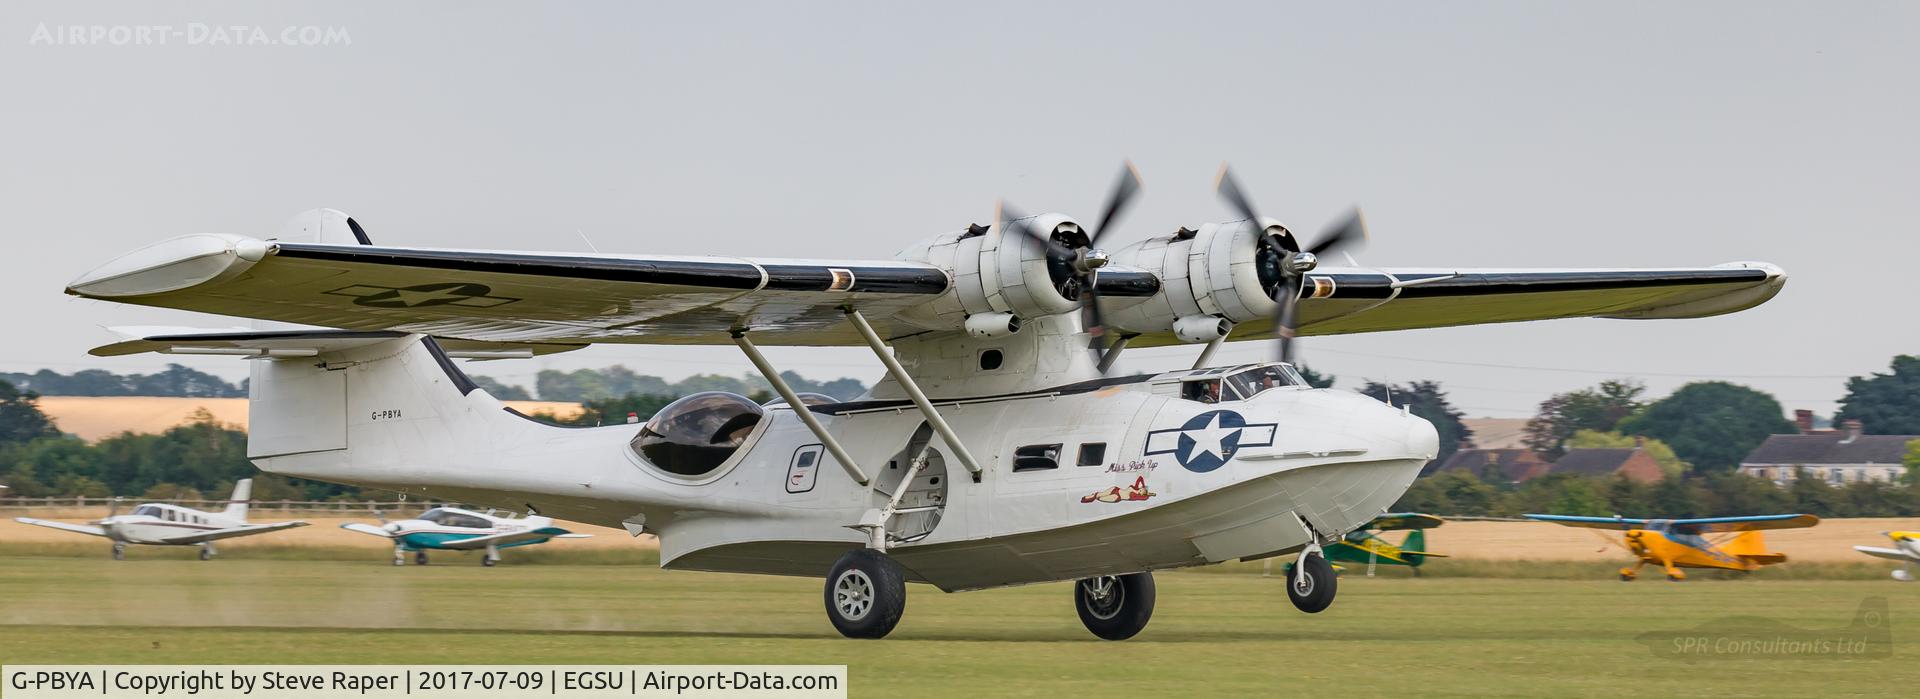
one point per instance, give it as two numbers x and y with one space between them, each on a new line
1335 458
153 523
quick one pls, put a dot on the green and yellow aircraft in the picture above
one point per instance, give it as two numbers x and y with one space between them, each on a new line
1365 546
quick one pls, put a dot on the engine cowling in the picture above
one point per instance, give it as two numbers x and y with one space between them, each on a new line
1221 270
996 273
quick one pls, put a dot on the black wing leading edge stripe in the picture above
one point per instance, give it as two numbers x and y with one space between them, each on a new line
718 275
1379 286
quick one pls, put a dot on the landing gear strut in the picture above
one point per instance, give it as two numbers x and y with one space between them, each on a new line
491 557
206 551
1310 579
119 551
1115 607
866 594
399 556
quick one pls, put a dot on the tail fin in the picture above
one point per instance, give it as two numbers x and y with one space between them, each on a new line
1752 545
237 505
1416 541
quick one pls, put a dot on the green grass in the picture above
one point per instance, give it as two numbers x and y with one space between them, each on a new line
1224 632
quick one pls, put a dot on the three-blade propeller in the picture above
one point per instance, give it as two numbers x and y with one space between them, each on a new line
1081 261
1294 262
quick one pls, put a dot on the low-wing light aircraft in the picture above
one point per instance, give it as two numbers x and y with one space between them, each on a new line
1365 545
970 465
161 524
1677 543
454 529
1906 549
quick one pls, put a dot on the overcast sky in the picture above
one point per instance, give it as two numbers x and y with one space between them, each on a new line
1475 134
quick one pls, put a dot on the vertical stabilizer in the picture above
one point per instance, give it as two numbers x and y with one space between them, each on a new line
237 505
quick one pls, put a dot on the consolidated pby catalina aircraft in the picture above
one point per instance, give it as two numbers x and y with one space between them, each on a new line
455 529
996 451
161 524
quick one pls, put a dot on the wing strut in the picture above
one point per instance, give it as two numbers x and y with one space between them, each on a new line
913 391
793 401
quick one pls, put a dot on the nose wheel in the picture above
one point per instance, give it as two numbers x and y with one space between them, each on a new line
865 594
1311 583
1115 607
119 551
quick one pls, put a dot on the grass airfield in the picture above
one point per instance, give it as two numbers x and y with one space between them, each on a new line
1224 630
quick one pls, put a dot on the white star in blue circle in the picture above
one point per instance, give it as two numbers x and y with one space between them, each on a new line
1209 440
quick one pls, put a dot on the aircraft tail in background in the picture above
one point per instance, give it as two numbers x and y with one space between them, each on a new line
237 505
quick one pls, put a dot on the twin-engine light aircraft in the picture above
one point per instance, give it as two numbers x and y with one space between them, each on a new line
996 451
1906 549
1673 544
161 524
454 529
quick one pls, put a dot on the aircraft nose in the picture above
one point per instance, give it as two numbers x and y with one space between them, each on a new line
1422 439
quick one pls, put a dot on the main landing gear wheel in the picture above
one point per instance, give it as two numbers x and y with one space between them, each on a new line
1115 607
420 558
206 554
1311 592
866 594
119 552
488 561
1627 575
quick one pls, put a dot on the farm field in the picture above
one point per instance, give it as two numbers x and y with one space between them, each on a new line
1226 629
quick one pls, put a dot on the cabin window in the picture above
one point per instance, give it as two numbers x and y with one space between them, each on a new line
695 435
1092 454
1036 457
1258 380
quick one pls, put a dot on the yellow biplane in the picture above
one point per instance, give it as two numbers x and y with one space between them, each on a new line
1678 543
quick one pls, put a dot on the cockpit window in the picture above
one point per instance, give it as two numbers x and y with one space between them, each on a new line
148 510
1254 381
696 434
1207 391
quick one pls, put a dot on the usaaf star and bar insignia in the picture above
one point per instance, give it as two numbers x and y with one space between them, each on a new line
1209 440
463 294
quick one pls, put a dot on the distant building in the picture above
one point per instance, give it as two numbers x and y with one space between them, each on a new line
1497 465
1842 456
1633 462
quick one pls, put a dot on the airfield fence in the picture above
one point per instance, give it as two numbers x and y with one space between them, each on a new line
307 507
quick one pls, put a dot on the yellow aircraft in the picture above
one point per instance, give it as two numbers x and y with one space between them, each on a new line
1677 543
1906 550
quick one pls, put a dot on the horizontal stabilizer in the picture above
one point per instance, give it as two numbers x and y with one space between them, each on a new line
248 343
480 542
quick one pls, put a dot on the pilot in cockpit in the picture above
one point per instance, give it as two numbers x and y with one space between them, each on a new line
1207 391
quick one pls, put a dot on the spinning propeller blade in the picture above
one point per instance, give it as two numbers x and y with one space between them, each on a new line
1085 261
1295 262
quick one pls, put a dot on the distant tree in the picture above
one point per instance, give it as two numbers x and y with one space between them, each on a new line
1625 495
177 380
1578 497
1314 378
1670 464
1599 409
1465 494
1732 493
1425 495
1887 403
1810 494
1912 462
1429 401
1711 424
1676 498
499 390
170 491
20 417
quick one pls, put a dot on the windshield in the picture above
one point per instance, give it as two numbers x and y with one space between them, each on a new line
1254 381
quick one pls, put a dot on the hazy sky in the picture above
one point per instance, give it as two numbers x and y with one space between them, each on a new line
1475 134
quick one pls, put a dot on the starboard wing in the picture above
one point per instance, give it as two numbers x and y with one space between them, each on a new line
1889 554
480 542
1742 524
1396 521
62 526
1616 523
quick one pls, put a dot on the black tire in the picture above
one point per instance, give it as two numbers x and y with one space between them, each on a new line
487 561
206 555
1314 593
119 552
1122 611
420 558
865 594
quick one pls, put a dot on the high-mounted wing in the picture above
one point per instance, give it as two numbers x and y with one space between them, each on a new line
62 526
231 532
1711 525
1617 523
514 303
245 342
513 297
1396 521
1889 554
541 534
